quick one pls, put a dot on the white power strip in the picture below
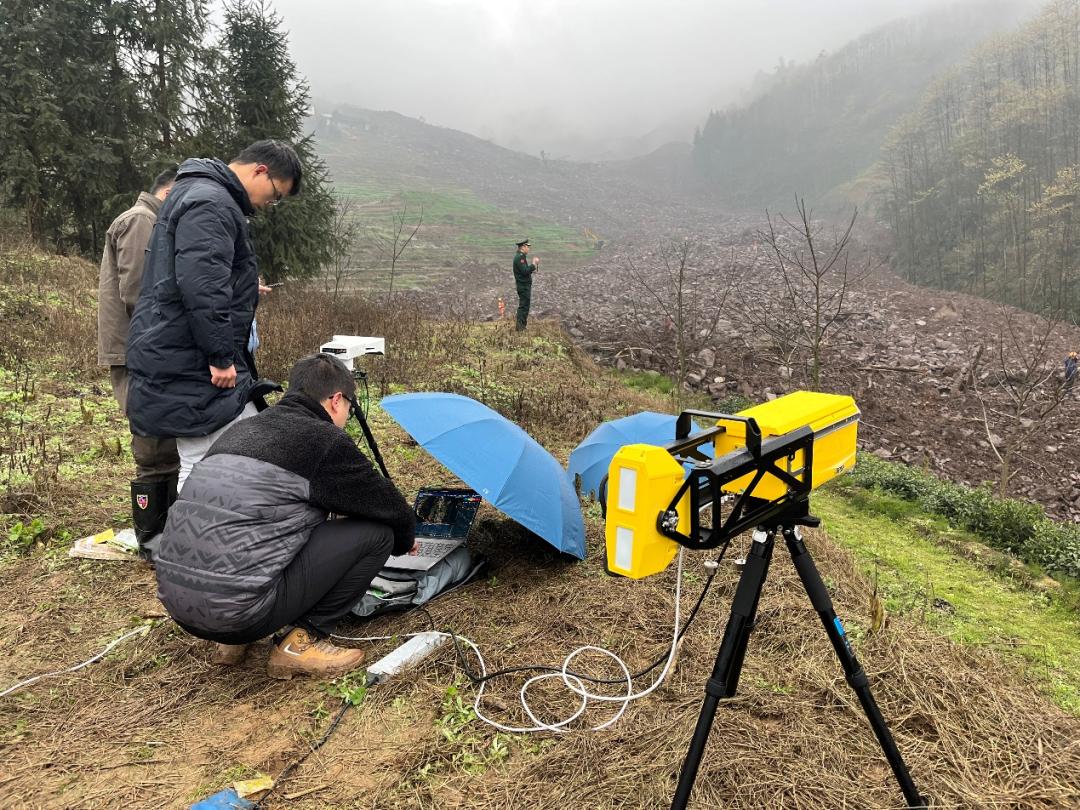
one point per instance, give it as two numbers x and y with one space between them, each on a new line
423 644
409 654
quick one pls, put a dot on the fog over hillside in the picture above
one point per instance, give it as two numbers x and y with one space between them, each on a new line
585 80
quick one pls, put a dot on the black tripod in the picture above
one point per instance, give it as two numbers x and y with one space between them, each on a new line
360 416
729 659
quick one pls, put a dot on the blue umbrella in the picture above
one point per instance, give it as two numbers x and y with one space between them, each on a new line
499 460
592 457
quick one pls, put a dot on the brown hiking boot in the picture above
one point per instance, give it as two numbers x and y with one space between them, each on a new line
300 654
229 655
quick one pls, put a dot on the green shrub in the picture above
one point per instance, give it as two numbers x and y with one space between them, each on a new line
1012 525
1009 523
733 403
22 536
1057 544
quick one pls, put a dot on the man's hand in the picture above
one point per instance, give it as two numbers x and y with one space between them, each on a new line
223 377
415 548
536 262
265 288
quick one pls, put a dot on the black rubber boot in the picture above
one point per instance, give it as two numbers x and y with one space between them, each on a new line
172 482
149 508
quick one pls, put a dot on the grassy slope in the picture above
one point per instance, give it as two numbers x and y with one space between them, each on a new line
457 229
478 199
919 574
157 725
59 426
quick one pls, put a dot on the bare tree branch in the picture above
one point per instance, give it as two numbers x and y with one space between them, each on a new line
815 281
1025 370
395 246
344 234
689 300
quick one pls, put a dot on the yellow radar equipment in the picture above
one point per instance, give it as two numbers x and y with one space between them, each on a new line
767 457
765 461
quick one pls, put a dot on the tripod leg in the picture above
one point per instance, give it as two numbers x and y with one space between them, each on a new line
856 677
729 659
354 409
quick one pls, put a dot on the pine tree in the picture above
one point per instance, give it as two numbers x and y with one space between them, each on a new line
176 71
95 95
28 115
122 30
266 98
61 148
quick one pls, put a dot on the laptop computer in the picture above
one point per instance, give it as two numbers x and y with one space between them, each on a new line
443 520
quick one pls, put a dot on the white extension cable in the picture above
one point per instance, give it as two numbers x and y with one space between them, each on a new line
140 630
572 682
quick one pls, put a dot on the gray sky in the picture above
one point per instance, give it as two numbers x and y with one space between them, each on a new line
563 75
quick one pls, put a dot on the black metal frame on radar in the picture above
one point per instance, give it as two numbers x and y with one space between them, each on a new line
783 516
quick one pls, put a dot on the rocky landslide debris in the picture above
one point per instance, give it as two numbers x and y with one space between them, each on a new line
904 353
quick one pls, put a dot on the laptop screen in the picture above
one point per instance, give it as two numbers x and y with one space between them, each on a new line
445 512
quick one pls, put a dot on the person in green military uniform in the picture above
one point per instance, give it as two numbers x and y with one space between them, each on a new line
523 273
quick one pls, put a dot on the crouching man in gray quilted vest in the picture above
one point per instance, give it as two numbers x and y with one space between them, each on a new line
248 548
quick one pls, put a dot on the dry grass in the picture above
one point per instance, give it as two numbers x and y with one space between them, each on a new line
540 379
156 725
57 417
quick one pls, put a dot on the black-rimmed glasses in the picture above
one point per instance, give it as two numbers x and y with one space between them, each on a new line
277 194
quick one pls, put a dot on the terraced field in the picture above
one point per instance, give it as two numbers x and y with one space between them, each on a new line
457 230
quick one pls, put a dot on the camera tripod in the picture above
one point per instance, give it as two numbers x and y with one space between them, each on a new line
359 414
729 659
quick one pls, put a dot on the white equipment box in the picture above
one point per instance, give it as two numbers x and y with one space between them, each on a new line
348 347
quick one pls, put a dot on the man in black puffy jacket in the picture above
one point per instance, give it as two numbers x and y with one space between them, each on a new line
190 369
248 548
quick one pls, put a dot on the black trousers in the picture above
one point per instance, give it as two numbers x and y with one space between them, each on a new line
323 582
156 459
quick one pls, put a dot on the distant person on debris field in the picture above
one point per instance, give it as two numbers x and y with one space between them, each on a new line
188 350
523 273
1071 364
249 549
156 460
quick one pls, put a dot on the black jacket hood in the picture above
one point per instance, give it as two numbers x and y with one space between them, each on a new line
214 169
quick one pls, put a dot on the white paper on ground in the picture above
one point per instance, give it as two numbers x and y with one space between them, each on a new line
107 545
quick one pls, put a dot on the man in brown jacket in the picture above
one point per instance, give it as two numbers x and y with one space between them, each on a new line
156 459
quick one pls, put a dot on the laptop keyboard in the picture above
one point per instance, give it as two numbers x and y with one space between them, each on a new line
435 548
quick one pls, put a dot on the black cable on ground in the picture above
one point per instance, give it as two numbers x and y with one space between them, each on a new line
298 762
479 679
322 740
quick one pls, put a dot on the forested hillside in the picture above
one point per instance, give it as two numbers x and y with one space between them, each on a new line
97 97
818 126
983 178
